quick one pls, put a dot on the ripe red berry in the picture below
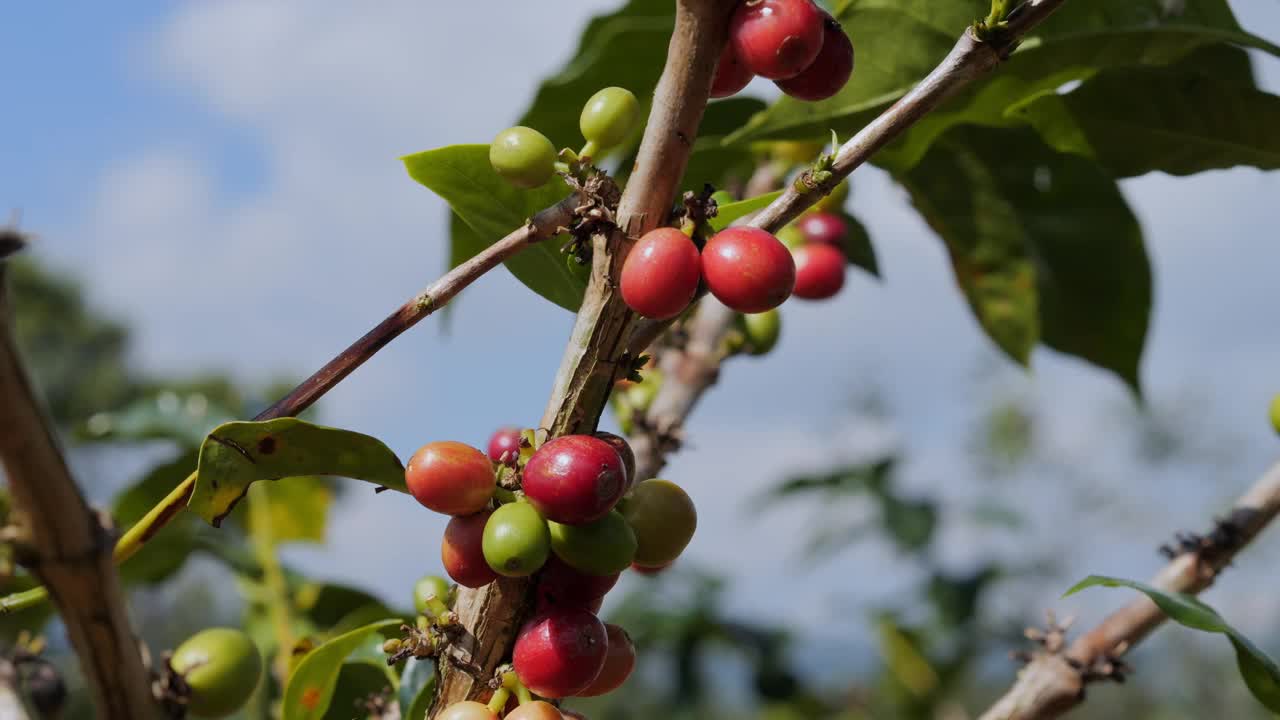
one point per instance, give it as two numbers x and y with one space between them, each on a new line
624 451
731 75
504 443
561 584
618 664
823 227
462 551
560 651
660 275
748 269
829 71
819 271
777 39
450 477
574 479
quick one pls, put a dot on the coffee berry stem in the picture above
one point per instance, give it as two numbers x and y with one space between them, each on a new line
589 150
499 700
439 611
512 682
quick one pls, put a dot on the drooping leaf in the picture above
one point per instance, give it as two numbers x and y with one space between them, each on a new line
310 687
1177 120
1259 671
492 208
1043 244
417 687
237 454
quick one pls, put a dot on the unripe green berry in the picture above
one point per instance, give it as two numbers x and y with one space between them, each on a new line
392 646
603 547
516 542
761 331
523 157
427 586
222 666
609 117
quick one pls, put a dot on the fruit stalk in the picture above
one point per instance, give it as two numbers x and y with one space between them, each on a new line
65 543
594 358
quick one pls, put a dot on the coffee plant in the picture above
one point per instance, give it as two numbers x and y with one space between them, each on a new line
675 229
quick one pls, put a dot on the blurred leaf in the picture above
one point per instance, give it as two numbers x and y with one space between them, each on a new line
327 604
729 212
910 522
299 509
237 454
955 598
990 512
492 208
417 687
1179 120
310 687
829 538
869 477
1043 244
166 415
356 682
857 245
177 539
1260 672
905 659
714 162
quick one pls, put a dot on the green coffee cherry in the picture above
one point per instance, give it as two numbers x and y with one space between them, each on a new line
608 118
222 666
427 586
761 331
603 547
516 542
663 518
523 157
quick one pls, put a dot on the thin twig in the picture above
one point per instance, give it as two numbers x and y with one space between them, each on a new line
63 542
438 294
595 356
1054 682
971 58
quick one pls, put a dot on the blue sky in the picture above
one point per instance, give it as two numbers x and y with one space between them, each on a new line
225 175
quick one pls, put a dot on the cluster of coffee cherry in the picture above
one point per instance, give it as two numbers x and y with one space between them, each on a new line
567 512
795 43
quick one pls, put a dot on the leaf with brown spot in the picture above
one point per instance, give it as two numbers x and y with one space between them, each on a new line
236 454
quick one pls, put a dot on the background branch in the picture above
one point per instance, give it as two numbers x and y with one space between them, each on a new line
62 541
596 355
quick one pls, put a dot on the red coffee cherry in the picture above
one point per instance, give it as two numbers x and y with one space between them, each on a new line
660 275
829 71
560 651
624 451
505 443
450 477
462 551
777 39
574 479
823 227
748 269
819 271
618 664
731 75
561 584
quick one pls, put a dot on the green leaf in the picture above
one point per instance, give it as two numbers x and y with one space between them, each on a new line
299 509
356 682
857 246
727 213
1259 671
326 605
910 522
417 687
237 454
1043 245
310 687
491 209
1176 120
713 162
183 418
162 559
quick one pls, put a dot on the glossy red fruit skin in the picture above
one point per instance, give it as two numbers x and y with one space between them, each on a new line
560 584
504 441
777 39
819 271
731 75
450 477
748 269
462 552
660 275
829 71
560 651
823 227
574 479
618 664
